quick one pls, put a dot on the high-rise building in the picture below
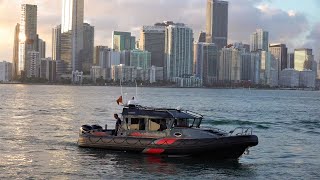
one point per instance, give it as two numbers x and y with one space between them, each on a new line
48 69
141 59
229 64
97 54
302 59
290 61
152 39
5 71
289 78
33 67
88 48
27 36
16 51
280 54
259 40
205 62
268 69
41 48
56 43
123 41
202 37
217 23
72 33
66 51
178 51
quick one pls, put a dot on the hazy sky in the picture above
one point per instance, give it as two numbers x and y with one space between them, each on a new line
294 22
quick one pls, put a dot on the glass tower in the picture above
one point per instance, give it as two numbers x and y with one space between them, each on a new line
72 27
217 23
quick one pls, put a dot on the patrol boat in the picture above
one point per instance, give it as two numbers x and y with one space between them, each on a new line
168 132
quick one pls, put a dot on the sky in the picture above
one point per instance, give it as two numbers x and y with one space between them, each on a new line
293 22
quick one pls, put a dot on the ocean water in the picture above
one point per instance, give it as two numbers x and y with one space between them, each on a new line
39 129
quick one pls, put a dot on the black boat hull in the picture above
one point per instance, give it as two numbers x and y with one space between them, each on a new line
229 147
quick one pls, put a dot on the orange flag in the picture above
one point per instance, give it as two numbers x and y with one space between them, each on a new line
119 100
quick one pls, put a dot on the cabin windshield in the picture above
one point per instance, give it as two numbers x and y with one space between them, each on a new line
187 123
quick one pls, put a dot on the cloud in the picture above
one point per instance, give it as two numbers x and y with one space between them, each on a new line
245 17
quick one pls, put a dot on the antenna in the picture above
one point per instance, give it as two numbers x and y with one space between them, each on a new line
136 90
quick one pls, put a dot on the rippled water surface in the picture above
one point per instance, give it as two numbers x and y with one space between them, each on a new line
39 130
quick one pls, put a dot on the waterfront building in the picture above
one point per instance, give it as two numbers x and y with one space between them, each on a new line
125 57
152 39
15 59
229 64
72 33
123 41
156 74
56 43
268 69
303 59
66 51
41 48
247 69
217 23
61 67
107 58
48 69
259 41
123 73
280 54
88 48
205 62
191 81
289 78
139 58
178 51
96 73
202 37
6 71
97 54
307 79
290 61
33 65
27 36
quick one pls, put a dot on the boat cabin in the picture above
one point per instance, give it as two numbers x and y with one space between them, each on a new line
140 121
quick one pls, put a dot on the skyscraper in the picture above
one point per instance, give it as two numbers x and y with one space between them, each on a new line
56 43
16 51
41 48
88 48
28 34
202 37
205 62
280 54
290 61
301 59
178 51
217 23
259 41
152 39
123 41
72 28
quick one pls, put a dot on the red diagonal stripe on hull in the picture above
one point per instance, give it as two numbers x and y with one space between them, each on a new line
153 151
165 141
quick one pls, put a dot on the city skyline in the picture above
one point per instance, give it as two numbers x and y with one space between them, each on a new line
244 18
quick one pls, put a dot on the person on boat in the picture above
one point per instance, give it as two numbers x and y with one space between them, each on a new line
163 125
118 124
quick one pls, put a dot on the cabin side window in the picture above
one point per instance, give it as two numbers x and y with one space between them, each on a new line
137 124
157 125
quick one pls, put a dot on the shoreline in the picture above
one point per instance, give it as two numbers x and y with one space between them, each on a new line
163 86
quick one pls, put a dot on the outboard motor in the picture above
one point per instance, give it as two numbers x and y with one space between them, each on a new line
85 129
97 128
